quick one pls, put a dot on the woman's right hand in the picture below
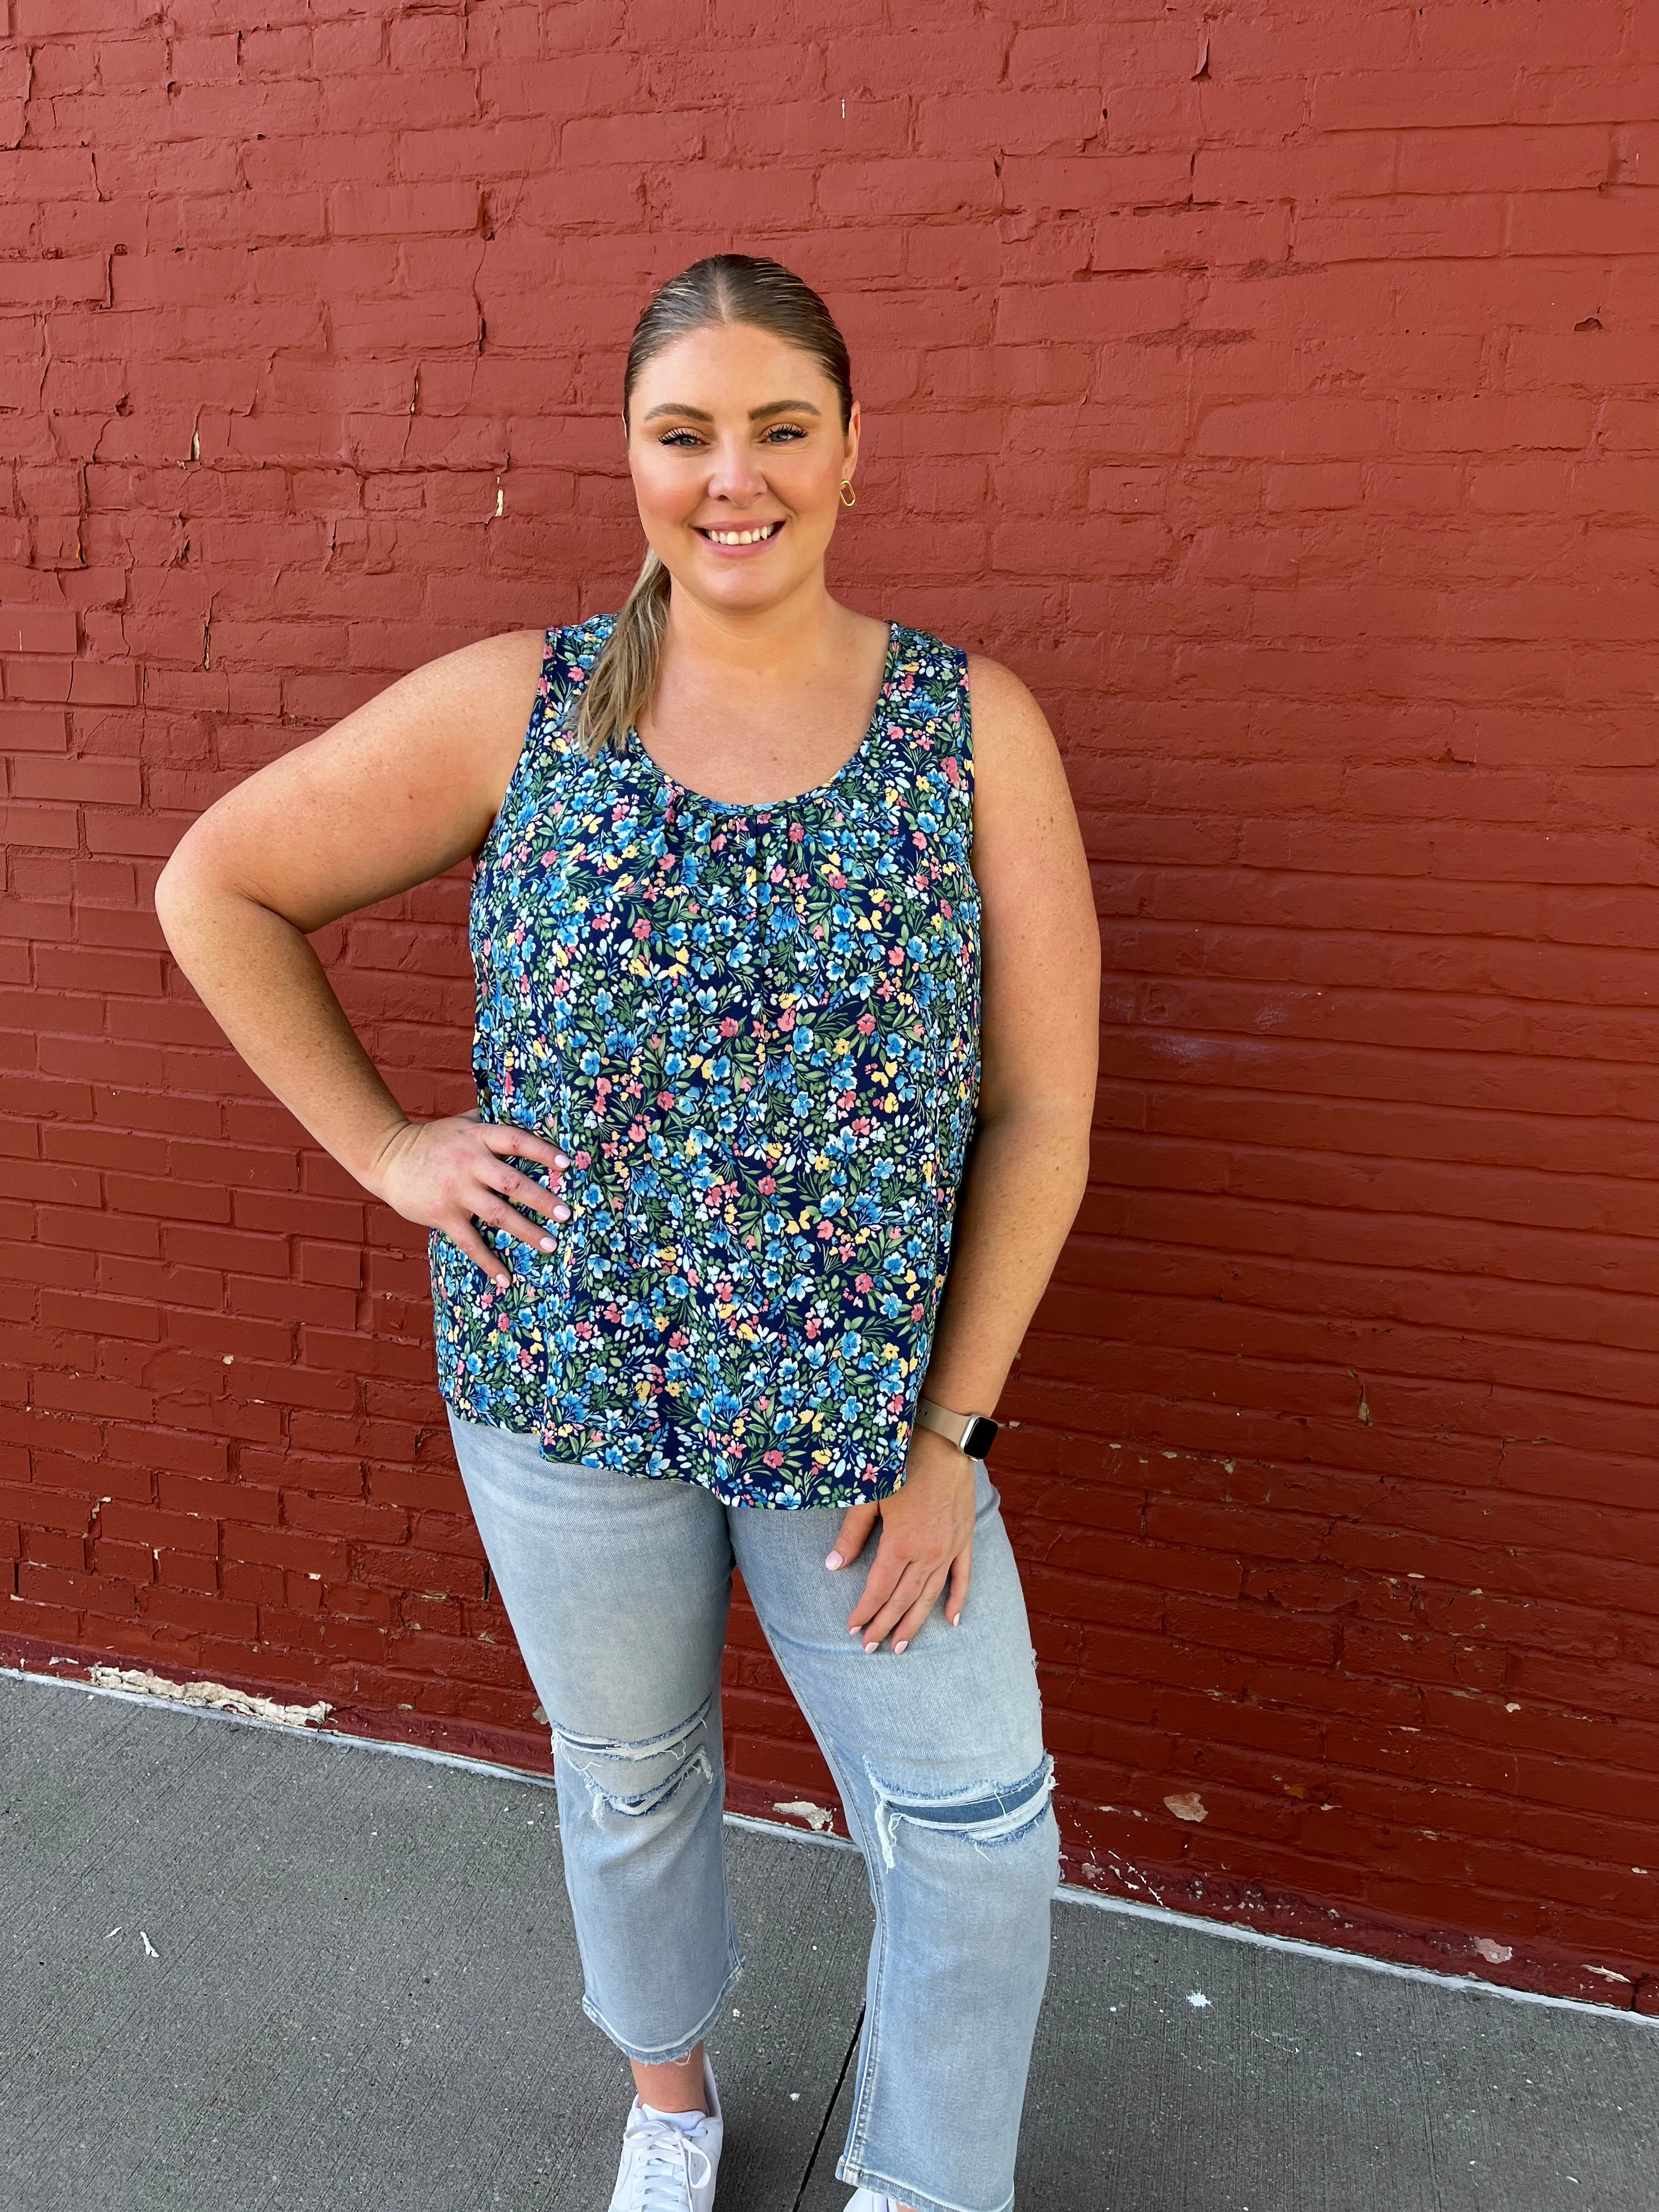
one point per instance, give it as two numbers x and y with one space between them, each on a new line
442 1174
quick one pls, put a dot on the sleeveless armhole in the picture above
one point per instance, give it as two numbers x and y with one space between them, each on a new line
965 723
552 693
963 784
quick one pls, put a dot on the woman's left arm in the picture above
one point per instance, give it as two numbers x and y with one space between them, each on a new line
1028 1168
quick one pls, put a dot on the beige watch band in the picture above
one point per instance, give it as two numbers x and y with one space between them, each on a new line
972 1433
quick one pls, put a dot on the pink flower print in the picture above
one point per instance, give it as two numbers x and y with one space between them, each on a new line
865 1024
773 1458
863 1284
768 1184
786 1020
813 1325
796 833
837 881
665 1099
775 874
642 928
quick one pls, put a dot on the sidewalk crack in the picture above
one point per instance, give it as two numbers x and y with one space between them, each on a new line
828 2114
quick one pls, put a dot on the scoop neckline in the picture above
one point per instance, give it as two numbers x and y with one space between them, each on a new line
769 806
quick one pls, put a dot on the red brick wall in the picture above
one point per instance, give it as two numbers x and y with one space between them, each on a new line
1274 389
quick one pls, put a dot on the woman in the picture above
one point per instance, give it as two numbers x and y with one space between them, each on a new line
788 984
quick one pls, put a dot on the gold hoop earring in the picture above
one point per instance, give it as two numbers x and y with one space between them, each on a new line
848 497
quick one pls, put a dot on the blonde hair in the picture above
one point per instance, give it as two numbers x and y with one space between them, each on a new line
725 288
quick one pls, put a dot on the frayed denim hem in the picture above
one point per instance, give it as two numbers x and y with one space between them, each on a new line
668 2054
906 2193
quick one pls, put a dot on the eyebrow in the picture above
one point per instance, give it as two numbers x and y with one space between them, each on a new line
756 414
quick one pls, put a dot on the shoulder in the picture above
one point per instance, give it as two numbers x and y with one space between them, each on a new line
506 655
1003 711
1022 795
1010 745
999 700
1011 736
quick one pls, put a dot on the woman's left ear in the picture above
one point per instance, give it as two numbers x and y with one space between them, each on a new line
854 425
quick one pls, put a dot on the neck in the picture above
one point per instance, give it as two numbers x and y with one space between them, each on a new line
789 640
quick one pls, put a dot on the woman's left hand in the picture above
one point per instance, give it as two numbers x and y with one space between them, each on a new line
927 1541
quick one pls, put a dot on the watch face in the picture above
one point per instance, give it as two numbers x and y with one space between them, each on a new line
981 1434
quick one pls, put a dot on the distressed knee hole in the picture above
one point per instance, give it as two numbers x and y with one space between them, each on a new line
987 1815
633 1779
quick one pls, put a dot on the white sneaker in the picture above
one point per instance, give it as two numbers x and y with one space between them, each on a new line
866 2200
664 2169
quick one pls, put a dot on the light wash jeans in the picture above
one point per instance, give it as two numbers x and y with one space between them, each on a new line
618 1589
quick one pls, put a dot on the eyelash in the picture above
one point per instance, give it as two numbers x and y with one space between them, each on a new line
671 438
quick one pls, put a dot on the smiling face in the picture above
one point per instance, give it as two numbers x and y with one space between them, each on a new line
737 455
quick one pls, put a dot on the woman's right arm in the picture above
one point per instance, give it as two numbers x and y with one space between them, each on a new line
394 795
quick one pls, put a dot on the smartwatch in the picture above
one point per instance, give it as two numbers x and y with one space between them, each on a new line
972 1433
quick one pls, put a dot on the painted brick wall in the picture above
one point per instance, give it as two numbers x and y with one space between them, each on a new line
1273 388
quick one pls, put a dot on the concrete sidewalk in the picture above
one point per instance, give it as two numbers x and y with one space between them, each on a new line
253 1970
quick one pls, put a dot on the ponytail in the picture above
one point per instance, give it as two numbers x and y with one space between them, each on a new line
623 681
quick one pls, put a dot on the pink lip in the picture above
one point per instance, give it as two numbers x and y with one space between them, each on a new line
739 552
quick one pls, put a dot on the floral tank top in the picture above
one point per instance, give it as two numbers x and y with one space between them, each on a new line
754 1032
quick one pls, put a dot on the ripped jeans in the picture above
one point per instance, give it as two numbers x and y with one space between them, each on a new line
617 1590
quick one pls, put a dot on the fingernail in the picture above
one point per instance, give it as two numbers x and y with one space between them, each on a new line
547 1243
501 1282
833 1561
905 1646
559 1160
562 1214
869 1647
956 1620
855 1632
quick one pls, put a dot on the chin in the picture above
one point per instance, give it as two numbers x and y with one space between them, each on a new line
749 586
